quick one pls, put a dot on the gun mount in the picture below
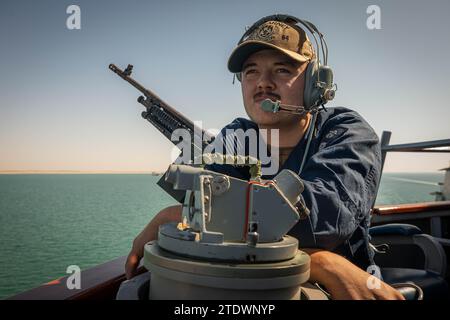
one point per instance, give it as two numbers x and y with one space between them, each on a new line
231 242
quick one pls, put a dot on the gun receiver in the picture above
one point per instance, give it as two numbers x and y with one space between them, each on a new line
166 119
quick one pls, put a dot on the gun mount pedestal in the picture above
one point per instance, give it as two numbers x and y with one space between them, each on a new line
231 242
177 277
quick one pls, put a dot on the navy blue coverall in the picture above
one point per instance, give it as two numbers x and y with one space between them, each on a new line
340 175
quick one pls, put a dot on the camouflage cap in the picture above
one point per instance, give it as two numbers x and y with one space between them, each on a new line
288 39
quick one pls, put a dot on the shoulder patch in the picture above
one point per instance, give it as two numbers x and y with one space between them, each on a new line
333 134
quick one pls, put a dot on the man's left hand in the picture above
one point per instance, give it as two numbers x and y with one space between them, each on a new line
344 280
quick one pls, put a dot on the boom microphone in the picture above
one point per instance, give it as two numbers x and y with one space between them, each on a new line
276 106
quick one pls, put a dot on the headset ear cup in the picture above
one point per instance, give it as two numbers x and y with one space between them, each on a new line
328 90
310 92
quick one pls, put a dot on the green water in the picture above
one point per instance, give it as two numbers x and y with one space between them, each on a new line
48 222
408 187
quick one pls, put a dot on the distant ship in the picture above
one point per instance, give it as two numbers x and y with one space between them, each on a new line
444 193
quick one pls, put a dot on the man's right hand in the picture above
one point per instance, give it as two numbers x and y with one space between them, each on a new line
150 232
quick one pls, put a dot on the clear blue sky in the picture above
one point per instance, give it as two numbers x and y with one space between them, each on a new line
62 109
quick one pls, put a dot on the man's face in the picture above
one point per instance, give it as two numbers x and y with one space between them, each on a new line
271 74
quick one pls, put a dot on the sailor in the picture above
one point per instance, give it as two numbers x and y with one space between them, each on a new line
334 150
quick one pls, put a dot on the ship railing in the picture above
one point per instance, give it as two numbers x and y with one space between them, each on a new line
432 217
436 146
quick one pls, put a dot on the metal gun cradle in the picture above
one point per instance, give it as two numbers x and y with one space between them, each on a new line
231 242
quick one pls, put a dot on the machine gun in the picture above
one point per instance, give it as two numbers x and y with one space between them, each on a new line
166 119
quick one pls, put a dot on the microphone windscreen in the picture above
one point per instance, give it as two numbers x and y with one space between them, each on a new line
268 105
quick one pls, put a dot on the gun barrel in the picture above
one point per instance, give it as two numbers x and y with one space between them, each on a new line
126 76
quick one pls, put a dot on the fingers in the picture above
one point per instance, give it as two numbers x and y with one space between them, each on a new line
386 292
397 295
131 265
394 294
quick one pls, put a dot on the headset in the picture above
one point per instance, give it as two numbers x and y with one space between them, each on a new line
319 86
